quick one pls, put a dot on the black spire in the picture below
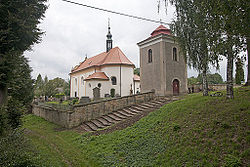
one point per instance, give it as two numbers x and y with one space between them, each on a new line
109 39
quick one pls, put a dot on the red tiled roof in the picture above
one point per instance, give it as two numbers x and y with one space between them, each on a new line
114 56
161 30
136 77
97 75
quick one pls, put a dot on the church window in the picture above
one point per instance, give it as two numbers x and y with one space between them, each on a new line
82 80
99 85
174 54
89 84
150 56
76 81
113 80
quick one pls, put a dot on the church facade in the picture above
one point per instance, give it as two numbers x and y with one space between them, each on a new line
110 71
162 67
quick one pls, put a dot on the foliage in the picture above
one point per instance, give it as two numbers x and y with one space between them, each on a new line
16 151
195 131
239 76
59 95
19 31
112 92
212 78
137 71
192 81
192 33
49 88
21 85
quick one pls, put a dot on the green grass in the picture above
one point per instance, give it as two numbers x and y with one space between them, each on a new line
195 131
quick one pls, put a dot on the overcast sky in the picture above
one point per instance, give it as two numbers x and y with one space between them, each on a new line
72 32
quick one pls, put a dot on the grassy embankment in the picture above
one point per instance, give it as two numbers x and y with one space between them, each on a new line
195 131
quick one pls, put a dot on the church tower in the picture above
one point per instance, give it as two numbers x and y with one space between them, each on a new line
162 67
109 40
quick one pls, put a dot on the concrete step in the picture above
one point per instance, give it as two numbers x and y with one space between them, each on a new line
158 102
144 107
150 105
98 124
138 108
119 115
128 111
114 117
147 106
86 127
109 119
124 113
133 110
92 126
104 121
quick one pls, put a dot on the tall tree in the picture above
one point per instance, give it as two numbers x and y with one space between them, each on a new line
192 35
19 30
239 75
227 27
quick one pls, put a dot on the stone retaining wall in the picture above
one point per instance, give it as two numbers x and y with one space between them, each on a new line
86 112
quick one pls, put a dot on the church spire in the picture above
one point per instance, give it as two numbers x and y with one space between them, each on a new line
109 40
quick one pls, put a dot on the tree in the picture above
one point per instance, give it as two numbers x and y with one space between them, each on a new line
39 86
19 30
192 80
226 32
239 76
212 78
137 71
192 33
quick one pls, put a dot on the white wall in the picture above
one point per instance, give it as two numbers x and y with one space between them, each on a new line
127 73
136 87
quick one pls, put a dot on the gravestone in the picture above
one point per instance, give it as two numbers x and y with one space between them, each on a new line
96 93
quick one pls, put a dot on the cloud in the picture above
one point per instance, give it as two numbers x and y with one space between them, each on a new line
73 31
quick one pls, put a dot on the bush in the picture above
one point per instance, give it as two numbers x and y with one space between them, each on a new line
15 109
232 161
15 151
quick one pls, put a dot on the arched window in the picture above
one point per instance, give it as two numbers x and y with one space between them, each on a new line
174 54
113 80
150 56
82 80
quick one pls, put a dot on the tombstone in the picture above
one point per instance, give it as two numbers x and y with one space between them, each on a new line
84 99
96 93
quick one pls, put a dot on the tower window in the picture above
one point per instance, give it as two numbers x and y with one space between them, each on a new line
113 80
174 54
150 56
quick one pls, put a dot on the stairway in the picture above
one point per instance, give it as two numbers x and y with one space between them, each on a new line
110 119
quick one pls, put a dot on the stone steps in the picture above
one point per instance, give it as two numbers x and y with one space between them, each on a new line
112 118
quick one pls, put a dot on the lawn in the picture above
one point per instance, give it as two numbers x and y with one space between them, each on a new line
194 131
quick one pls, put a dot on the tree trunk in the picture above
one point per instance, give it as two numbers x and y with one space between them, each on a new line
204 82
230 93
248 65
3 95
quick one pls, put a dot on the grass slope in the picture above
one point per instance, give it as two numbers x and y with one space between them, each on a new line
195 131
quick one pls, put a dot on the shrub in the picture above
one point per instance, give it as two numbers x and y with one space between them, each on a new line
15 151
232 161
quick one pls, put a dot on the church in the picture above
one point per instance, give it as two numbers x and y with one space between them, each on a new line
110 71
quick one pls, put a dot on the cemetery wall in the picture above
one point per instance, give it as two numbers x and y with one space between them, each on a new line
88 111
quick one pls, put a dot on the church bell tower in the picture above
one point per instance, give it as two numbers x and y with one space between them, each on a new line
109 40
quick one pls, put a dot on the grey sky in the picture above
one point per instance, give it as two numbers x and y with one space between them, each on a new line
72 32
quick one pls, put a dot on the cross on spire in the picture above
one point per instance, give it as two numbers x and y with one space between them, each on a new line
109 41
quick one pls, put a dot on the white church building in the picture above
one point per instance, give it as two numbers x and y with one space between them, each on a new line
106 71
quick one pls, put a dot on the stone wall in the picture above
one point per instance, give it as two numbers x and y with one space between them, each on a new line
85 112
213 87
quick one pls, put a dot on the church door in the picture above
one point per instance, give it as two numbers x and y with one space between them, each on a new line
175 87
